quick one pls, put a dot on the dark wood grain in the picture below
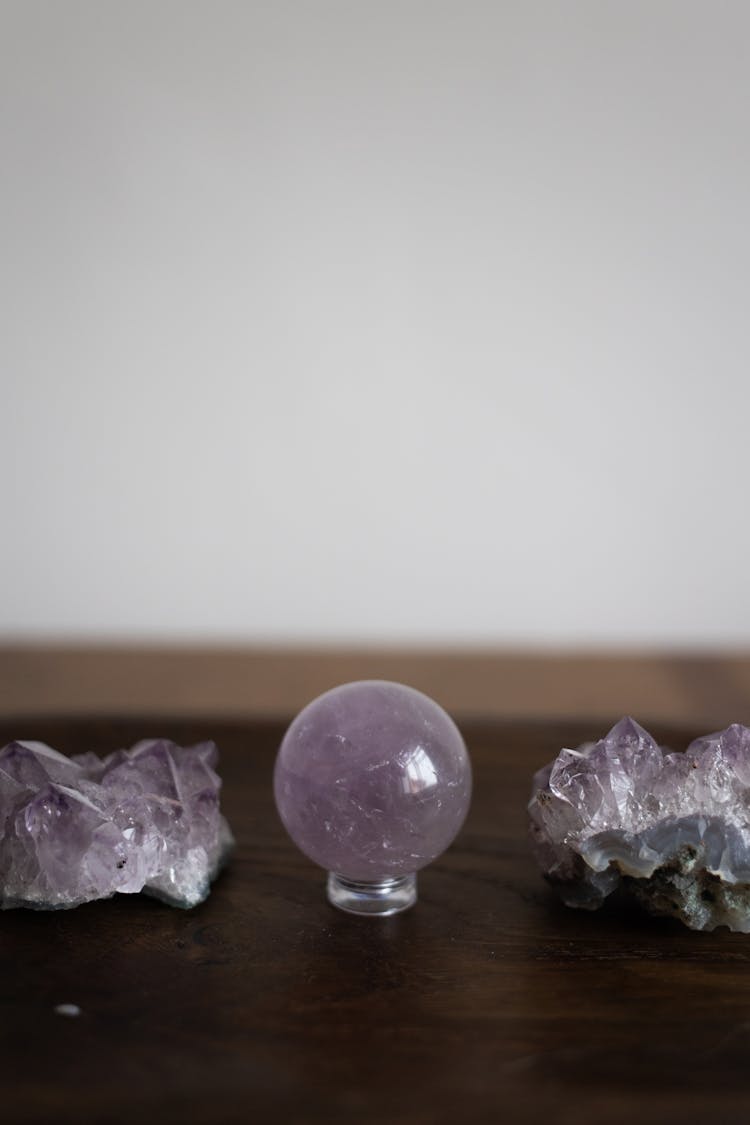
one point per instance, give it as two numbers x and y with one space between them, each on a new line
489 1002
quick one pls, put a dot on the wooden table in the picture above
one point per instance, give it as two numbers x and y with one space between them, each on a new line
249 683
488 1002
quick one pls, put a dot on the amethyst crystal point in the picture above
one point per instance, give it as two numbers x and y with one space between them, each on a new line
77 829
372 782
672 829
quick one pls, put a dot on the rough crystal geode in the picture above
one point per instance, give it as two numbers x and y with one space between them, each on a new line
673 829
83 828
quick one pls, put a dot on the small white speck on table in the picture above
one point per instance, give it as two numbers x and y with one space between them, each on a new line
68 1010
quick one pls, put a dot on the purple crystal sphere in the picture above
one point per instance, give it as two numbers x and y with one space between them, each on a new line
372 780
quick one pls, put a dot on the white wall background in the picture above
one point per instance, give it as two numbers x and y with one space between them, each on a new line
332 319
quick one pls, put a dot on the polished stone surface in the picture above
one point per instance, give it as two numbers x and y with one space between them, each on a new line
83 828
672 829
372 780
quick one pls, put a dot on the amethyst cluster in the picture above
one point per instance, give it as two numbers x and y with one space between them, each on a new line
673 829
83 828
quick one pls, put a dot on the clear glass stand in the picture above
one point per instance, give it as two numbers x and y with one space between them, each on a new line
381 897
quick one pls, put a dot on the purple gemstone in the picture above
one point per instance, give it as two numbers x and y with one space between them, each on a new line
671 829
372 781
77 829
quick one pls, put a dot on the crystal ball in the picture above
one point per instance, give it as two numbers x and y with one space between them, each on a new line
372 780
